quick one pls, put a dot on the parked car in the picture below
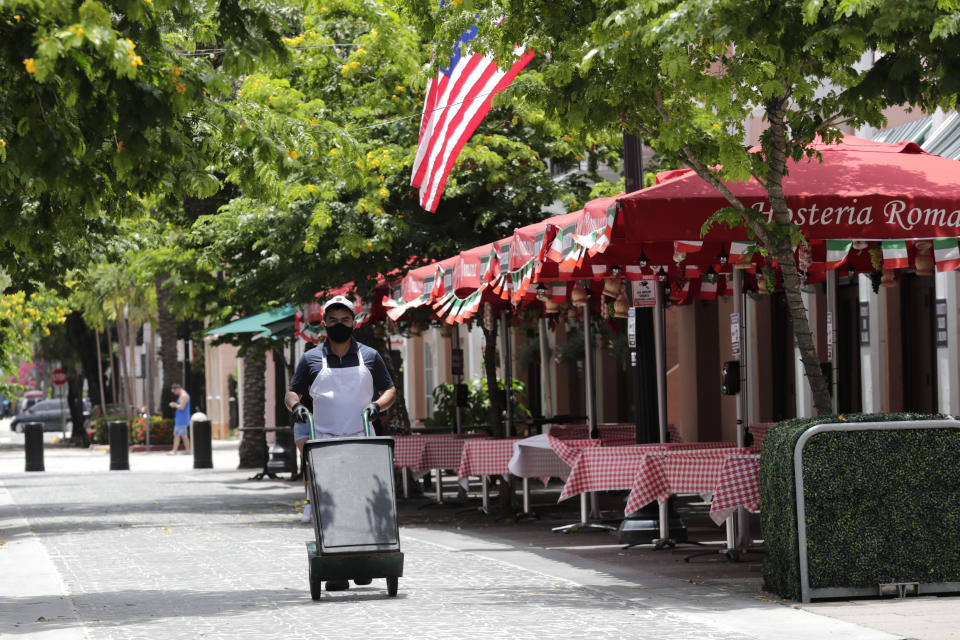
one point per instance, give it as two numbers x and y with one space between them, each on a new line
29 399
51 414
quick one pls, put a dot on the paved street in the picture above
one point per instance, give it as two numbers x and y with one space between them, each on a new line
166 551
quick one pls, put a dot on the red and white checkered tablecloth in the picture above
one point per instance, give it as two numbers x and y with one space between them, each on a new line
739 486
485 457
604 469
420 453
730 478
759 432
613 468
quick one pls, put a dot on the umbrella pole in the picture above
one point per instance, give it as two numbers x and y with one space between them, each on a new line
588 372
738 526
660 339
660 342
546 386
507 371
585 522
458 379
832 339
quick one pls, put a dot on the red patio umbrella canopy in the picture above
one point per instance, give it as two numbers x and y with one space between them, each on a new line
861 190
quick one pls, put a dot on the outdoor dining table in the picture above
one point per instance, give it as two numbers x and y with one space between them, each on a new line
419 454
619 468
544 456
484 457
728 478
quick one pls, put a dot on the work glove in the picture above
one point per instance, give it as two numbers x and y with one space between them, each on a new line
373 411
300 412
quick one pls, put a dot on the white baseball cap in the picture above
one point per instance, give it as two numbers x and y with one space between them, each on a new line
338 301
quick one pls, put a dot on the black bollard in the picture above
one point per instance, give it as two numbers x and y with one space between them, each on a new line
119 445
202 445
33 445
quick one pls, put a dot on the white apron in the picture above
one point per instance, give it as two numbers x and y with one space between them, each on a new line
339 397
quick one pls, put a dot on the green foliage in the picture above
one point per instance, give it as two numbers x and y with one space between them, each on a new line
104 100
475 414
866 493
320 179
161 430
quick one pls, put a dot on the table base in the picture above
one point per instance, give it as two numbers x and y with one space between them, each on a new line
586 522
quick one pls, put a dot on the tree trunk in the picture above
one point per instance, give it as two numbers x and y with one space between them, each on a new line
78 337
253 446
103 400
782 250
167 331
121 344
114 389
494 417
131 366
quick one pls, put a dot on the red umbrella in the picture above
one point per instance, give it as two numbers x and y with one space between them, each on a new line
861 190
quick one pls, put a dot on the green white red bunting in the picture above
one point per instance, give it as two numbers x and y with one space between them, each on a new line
947 254
688 246
895 254
396 309
741 251
837 251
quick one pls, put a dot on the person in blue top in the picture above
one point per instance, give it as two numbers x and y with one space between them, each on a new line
181 418
340 379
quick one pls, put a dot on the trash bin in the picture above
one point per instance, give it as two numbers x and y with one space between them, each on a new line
119 445
202 441
33 445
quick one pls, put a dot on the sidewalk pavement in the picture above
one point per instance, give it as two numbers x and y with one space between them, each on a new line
166 551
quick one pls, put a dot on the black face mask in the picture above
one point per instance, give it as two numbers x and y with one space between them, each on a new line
339 333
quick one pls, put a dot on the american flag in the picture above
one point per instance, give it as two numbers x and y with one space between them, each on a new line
458 98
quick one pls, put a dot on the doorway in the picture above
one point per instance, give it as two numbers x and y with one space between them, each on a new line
918 343
849 397
783 357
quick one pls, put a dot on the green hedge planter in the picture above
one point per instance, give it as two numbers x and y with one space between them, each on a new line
881 506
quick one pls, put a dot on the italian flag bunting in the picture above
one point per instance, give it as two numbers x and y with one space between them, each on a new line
708 289
740 251
895 254
947 254
558 292
688 246
634 272
837 251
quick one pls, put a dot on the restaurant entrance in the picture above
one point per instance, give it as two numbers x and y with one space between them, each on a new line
918 343
849 397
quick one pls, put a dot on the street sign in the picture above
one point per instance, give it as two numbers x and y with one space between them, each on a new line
59 377
644 294
735 334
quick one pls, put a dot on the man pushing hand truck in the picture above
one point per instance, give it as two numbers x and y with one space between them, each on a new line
337 388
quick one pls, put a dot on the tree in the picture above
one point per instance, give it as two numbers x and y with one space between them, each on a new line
323 173
686 76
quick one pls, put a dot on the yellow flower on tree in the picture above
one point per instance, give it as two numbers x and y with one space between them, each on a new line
30 65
